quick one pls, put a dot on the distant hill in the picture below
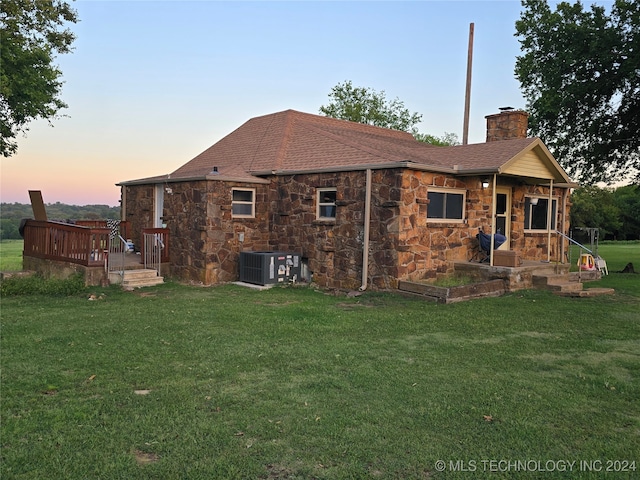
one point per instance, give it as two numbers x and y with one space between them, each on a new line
12 213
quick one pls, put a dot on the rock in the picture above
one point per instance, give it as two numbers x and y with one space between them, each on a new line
628 268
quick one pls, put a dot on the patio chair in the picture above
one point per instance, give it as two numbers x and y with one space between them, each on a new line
484 245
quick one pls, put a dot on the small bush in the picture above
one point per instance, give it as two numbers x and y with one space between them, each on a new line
37 285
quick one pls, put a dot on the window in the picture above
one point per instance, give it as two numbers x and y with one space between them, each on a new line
446 205
243 202
535 213
326 203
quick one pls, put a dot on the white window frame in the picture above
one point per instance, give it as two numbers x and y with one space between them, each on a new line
528 215
455 191
242 202
320 203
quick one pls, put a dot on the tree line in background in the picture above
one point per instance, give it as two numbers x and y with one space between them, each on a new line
12 213
615 211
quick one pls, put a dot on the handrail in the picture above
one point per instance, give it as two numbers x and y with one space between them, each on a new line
162 238
117 248
573 241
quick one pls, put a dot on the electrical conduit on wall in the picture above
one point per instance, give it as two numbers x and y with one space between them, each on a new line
367 223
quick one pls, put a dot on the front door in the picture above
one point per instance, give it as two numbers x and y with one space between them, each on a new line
503 214
158 206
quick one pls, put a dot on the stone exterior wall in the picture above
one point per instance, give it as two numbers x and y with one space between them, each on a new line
206 240
332 248
140 210
533 245
507 125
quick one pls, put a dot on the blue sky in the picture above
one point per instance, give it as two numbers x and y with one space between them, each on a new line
152 84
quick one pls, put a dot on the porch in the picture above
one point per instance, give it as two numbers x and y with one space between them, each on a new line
95 248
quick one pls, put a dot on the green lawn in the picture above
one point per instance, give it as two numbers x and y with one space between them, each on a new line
179 382
616 254
10 255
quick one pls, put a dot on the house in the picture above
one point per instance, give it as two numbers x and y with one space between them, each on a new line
364 206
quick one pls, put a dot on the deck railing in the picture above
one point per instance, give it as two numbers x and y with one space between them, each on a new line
66 242
123 225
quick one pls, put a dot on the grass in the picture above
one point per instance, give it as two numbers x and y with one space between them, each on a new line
447 281
10 255
616 254
178 382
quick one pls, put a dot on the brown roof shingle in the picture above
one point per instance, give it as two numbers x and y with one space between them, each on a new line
292 141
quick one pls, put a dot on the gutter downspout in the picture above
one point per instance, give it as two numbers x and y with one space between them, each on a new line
549 220
493 217
367 225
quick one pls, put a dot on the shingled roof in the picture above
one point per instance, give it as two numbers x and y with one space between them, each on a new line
295 142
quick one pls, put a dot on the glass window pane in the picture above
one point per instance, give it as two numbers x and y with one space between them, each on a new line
328 211
435 209
328 196
242 196
501 203
242 209
454 206
539 215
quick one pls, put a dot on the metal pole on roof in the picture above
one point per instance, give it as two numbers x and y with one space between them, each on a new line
467 96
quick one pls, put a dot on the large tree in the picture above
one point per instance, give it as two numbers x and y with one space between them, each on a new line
32 33
365 105
580 73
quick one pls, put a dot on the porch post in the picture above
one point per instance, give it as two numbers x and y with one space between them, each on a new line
549 213
493 217
565 193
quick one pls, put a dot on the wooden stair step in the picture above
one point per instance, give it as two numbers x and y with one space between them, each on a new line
141 278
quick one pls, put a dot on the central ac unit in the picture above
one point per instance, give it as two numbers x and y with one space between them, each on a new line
265 268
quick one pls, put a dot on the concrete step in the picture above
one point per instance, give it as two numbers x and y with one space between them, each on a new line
144 282
544 279
557 283
585 276
140 278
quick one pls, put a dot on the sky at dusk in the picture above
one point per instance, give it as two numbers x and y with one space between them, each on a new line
152 84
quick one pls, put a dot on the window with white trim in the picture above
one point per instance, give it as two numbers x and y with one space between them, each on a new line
243 202
536 210
446 204
326 204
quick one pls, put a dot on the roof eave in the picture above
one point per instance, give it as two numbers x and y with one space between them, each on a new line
194 178
353 168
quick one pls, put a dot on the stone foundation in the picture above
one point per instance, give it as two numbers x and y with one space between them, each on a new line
93 276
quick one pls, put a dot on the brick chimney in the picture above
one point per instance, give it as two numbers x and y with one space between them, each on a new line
507 124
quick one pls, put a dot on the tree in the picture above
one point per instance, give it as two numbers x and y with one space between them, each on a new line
627 199
364 105
447 140
580 74
594 207
31 35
